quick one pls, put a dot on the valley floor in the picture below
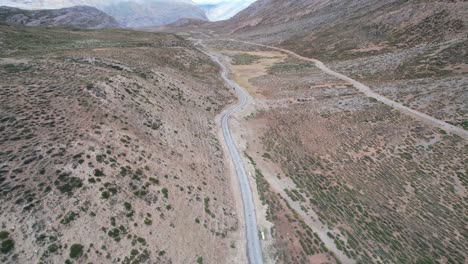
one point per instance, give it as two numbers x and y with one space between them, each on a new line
341 175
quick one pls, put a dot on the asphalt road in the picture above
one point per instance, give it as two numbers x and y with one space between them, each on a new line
254 249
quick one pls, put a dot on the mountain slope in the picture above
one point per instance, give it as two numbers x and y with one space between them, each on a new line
151 13
140 13
333 28
108 149
79 16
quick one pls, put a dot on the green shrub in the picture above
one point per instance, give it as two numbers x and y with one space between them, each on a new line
98 173
7 246
165 192
76 250
105 195
200 260
67 184
53 248
4 234
68 218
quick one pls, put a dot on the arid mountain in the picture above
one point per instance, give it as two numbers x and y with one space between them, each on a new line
152 12
78 16
108 149
331 29
139 13
187 22
357 143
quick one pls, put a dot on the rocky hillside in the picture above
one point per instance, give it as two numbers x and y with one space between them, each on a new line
331 29
108 149
152 13
141 13
78 16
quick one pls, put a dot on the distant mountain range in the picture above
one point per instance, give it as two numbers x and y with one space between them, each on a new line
77 16
135 13
225 10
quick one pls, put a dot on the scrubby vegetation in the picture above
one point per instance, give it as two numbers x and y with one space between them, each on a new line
100 134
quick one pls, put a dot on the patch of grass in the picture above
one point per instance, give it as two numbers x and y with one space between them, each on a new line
244 59
286 67
14 68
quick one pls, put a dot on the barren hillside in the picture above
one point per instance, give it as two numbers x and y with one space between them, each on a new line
78 16
108 151
346 175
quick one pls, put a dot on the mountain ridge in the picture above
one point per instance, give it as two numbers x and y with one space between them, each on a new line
77 16
142 13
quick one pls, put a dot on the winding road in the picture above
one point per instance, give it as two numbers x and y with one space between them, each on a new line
368 92
254 249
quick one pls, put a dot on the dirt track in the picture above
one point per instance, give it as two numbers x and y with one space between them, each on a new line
368 92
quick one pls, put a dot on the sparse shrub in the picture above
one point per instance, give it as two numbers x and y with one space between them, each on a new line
154 181
200 260
148 221
76 250
105 195
98 173
67 184
114 233
68 218
7 246
266 155
165 192
4 234
141 240
52 248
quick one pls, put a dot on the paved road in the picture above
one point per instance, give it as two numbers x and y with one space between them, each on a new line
254 250
368 92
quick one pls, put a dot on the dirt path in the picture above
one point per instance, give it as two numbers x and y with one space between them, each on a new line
368 92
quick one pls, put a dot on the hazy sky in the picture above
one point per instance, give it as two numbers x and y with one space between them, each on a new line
224 9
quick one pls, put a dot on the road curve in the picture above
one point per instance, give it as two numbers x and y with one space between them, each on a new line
368 92
254 249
